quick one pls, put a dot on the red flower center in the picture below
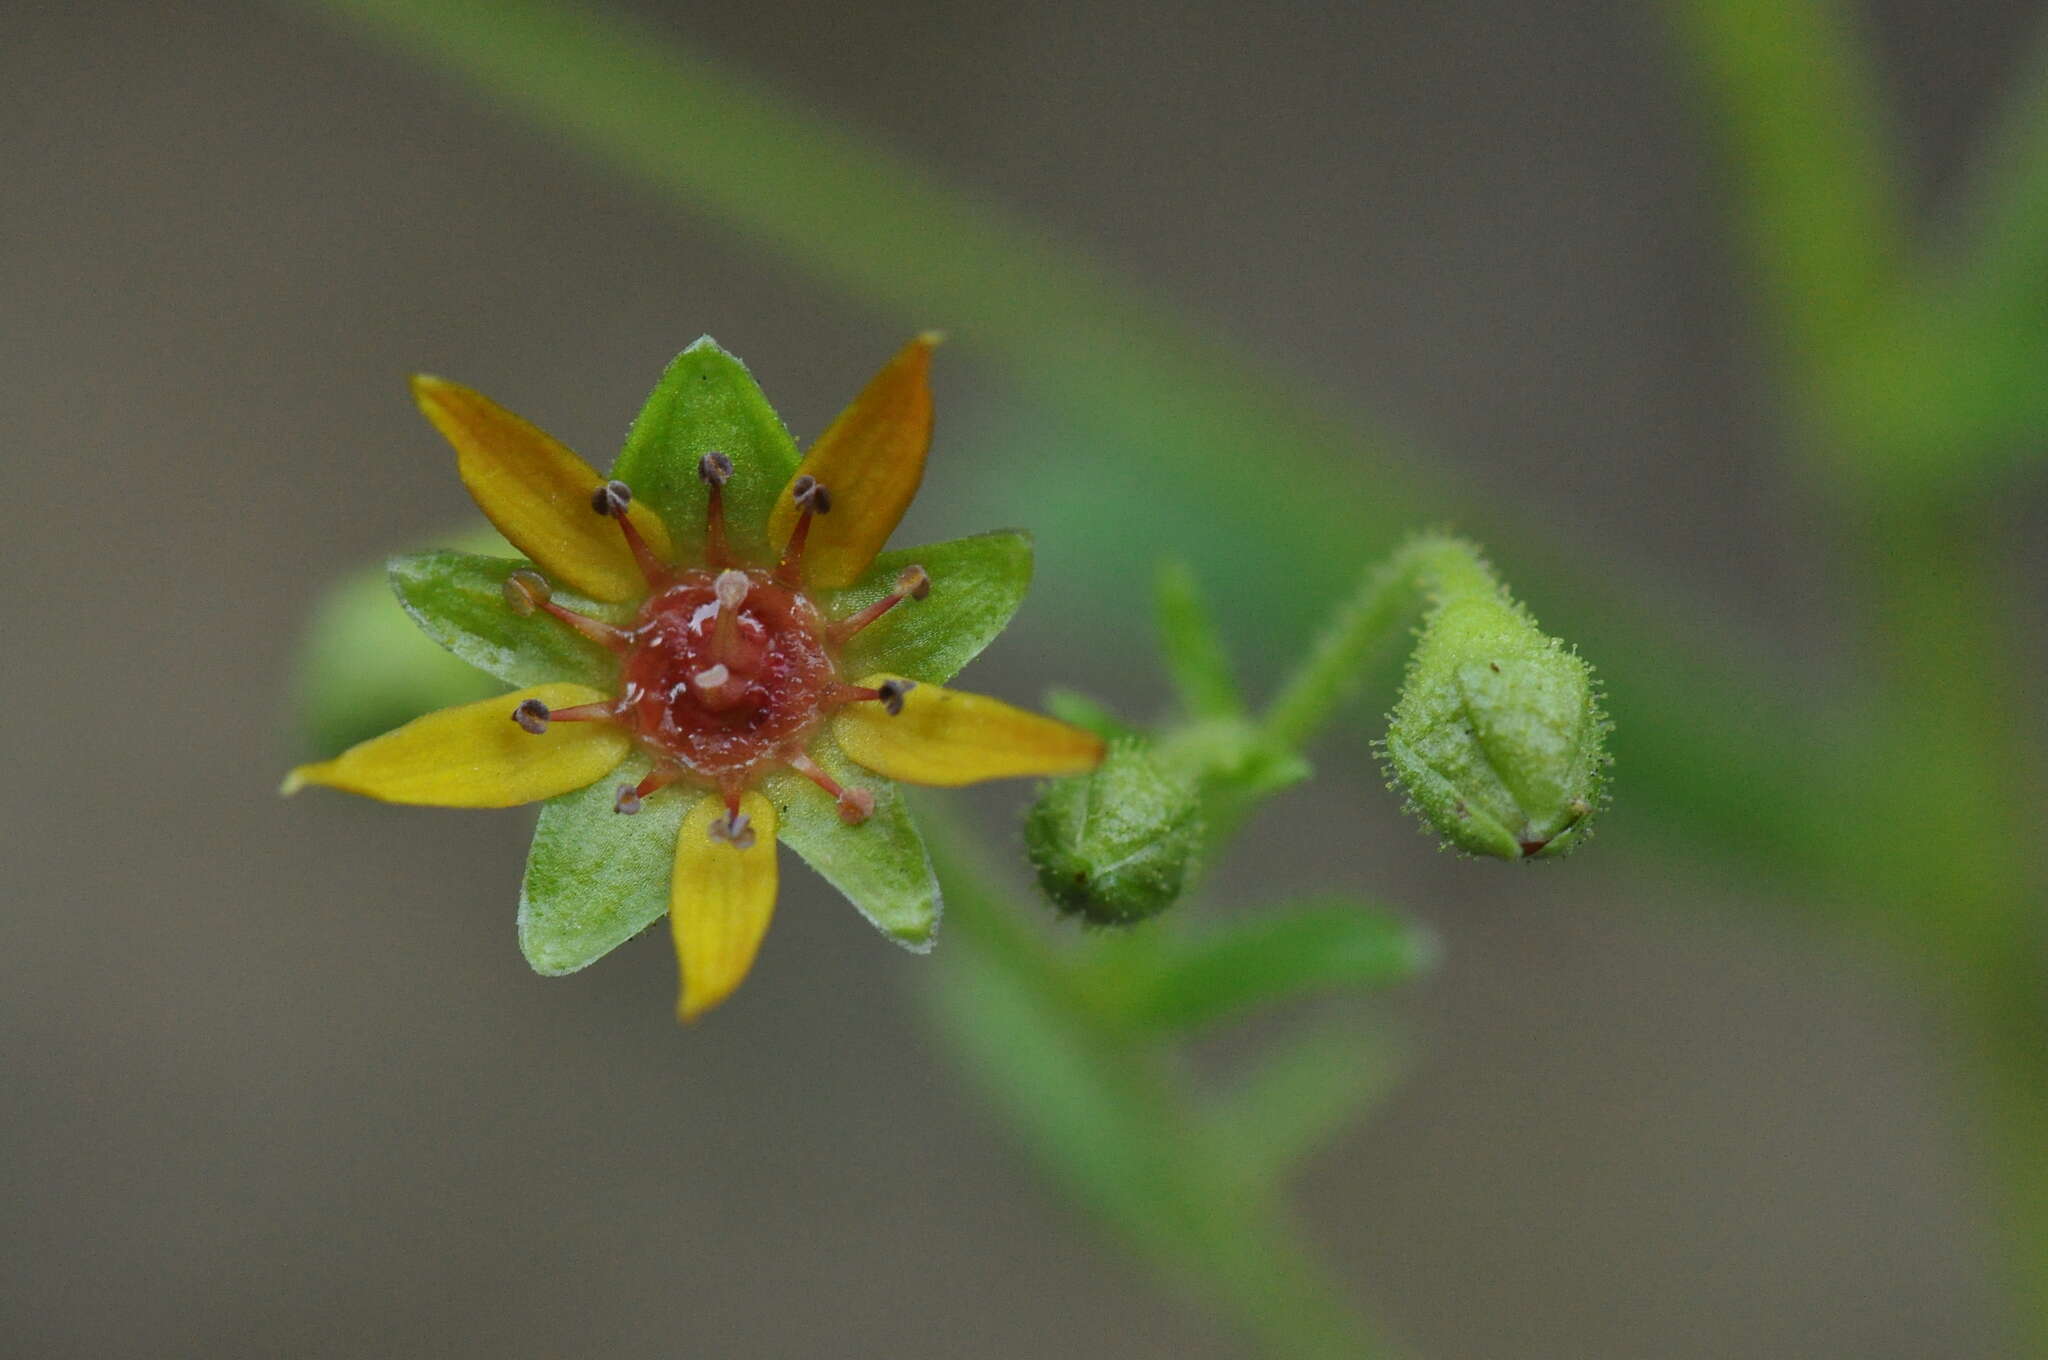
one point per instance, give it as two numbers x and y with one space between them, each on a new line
725 671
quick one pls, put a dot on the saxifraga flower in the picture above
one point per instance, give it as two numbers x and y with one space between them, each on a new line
717 621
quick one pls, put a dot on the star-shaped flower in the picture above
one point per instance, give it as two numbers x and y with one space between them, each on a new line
716 626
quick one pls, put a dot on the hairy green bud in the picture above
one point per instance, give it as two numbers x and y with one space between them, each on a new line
1498 736
1119 844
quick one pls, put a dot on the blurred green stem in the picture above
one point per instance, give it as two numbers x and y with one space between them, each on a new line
1948 762
1908 382
1121 1127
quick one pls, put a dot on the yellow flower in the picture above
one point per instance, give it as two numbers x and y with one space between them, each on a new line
713 617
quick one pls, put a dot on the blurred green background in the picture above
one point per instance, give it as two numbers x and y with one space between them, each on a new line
1719 322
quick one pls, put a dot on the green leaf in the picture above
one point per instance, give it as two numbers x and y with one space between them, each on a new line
1195 658
977 584
881 865
595 878
458 600
706 401
1321 946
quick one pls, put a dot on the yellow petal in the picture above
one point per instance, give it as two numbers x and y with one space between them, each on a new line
945 736
537 493
870 460
719 901
475 755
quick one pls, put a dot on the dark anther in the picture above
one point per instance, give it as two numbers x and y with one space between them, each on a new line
532 715
714 468
611 499
915 582
735 829
891 693
809 494
628 801
526 591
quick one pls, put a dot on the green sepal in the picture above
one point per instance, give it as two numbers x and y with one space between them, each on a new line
458 600
1188 980
706 401
977 584
595 877
881 865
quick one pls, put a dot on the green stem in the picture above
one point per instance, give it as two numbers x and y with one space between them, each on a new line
1114 1120
1433 566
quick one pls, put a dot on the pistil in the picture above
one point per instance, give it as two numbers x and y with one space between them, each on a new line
730 589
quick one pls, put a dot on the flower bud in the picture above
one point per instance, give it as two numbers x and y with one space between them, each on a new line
1498 735
1119 844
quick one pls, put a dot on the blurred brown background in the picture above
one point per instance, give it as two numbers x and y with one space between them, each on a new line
279 1083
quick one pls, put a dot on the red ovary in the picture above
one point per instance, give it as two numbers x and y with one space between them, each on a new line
720 696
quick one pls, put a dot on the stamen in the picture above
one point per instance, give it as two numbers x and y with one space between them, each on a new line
891 693
811 499
598 712
612 500
810 494
855 805
734 829
526 591
912 583
532 715
715 470
597 630
632 797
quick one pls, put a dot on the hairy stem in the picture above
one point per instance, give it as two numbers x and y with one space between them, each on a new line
1433 567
